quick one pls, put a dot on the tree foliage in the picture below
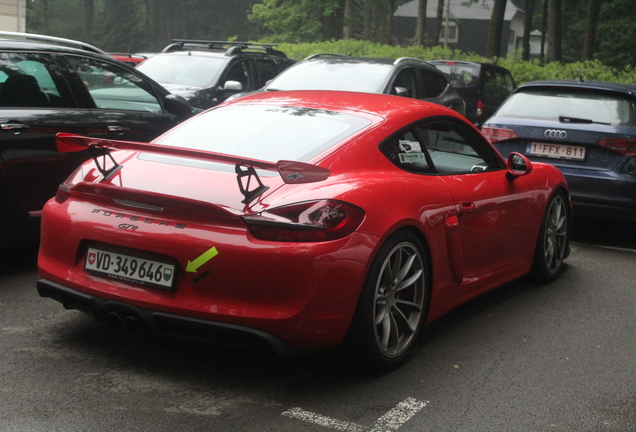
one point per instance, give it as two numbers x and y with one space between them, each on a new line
295 20
141 25
149 25
617 33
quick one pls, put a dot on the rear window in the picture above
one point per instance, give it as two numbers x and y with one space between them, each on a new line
575 105
190 71
265 132
460 75
319 75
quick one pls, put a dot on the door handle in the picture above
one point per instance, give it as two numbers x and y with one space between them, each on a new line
118 130
15 128
466 207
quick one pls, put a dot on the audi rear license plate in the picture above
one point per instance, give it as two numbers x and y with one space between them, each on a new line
134 269
557 151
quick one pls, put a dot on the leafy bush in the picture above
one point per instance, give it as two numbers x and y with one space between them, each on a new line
522 71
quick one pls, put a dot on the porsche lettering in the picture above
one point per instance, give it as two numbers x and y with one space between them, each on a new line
140 219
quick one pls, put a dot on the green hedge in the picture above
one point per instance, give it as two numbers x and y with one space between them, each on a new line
522 71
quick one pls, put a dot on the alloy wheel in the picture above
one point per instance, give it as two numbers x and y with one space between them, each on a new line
399 299
556 234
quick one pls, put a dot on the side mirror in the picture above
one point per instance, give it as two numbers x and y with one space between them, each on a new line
233 86
178 106
518 165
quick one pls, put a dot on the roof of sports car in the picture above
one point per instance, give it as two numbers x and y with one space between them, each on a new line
379 104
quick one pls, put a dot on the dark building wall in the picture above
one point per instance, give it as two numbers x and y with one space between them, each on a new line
473 34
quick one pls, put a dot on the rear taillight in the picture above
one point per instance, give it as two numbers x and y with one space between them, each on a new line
498 134
624 146
63 192
311 221
480 108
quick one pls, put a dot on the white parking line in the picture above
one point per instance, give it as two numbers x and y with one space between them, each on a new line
389 422
309 417
395 418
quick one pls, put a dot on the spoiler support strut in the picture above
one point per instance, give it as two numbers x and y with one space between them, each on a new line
248 171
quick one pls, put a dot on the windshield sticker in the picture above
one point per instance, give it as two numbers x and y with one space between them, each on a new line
411 157
410 146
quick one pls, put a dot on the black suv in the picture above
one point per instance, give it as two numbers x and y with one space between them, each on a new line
405 76
50 85
482 85
208 72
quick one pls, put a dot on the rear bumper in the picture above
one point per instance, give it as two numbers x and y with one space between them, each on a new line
608 196
126 317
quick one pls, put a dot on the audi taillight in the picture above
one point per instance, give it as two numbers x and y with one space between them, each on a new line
311 221
624 146
498 134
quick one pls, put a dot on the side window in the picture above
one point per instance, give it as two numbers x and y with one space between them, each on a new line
113 87
510 82
432 83
496 89
32 80
407 153
266 70
405 79
464 76
240 72
454 148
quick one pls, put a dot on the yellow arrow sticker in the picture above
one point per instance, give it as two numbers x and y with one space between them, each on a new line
206 256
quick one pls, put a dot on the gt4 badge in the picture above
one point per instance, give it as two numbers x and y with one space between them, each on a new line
128 227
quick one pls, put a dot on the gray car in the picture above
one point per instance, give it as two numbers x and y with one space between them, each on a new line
405 76
205 73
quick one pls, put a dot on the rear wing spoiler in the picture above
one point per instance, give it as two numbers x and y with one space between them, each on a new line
292 172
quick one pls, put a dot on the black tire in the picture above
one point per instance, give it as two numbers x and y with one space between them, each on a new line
392 305
553 243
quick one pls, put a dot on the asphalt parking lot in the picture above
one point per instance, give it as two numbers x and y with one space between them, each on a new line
526 357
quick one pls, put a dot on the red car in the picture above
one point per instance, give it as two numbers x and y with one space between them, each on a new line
130 59
302 221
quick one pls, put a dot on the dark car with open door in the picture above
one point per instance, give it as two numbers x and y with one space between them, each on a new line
483 86
50 85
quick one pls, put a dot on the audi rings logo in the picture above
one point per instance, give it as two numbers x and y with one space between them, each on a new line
555 133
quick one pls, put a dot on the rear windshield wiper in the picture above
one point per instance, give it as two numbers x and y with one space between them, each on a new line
564 119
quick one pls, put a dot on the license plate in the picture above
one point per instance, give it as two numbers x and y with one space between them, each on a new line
557 151
141 271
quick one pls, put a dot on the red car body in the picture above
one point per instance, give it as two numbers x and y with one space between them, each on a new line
245 266
130 59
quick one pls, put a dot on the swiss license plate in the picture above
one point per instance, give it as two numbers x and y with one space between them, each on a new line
141 271
558 151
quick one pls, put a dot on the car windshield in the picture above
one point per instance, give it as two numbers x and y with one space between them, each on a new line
571 106
265 132
320 75
191 71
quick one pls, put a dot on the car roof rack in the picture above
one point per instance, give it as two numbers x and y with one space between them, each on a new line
51 39
403 59
319 55
235 48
